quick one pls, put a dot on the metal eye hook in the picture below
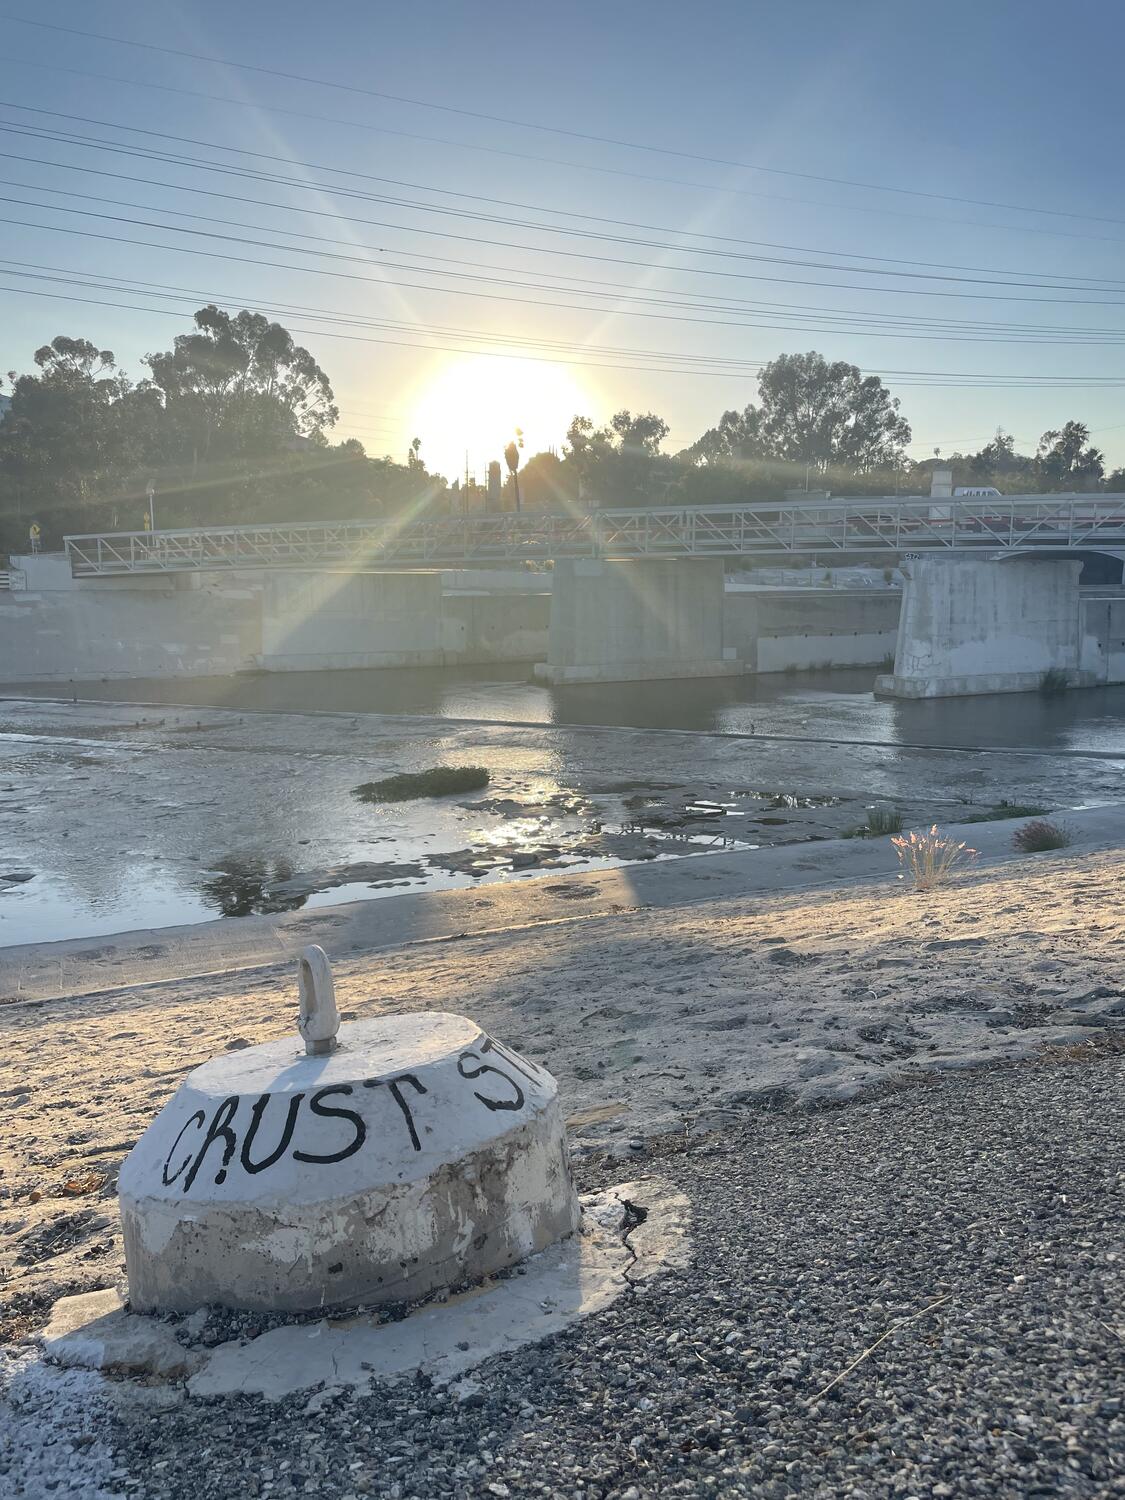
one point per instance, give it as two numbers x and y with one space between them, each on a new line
319 1020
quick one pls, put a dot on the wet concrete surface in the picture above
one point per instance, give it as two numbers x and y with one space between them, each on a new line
115 817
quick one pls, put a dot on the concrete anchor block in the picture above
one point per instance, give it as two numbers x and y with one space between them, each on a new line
629 1235
418 1153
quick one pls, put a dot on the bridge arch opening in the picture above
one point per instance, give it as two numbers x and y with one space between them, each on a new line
1099 569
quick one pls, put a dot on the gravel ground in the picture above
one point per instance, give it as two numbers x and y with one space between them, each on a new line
996 1195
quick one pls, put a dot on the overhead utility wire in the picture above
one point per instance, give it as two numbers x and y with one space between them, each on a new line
467 276
66 275
1094 383
908 376
586 234
579 135
657 294
619 311
1098 283
389 343
129 148
585 167
443 234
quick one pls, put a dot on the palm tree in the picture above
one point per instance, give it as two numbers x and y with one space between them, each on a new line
512 459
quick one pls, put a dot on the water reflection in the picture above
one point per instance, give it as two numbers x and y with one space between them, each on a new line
180 816
830 705
240 886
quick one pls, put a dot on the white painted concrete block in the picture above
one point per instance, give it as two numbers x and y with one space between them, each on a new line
420 1153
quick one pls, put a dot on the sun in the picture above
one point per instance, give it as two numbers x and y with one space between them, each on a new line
476 403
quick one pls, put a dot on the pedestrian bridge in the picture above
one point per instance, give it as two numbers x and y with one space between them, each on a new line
892 525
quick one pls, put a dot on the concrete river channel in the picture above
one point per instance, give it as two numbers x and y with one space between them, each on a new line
146 804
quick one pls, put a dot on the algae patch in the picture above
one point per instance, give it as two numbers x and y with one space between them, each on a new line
408 786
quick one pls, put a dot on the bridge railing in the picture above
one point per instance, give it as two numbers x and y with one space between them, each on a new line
864 524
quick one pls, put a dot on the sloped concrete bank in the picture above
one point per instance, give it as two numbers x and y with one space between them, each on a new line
78 967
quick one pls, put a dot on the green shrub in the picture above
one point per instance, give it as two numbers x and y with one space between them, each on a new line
883 820
1041 834
440 781
879 822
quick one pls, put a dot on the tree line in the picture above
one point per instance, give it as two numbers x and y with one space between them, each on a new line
232 426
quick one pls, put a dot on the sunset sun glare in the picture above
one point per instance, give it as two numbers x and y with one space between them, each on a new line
474 405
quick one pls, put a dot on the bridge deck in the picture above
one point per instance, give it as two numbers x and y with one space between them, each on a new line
890 525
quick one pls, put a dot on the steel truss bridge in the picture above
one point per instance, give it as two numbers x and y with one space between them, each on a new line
816 527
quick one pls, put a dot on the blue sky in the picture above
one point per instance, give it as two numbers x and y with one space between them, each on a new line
1010 104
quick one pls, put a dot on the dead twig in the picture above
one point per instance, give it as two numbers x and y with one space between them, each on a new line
882 1339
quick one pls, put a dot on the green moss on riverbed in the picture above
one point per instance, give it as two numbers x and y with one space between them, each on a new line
1004 810
440 781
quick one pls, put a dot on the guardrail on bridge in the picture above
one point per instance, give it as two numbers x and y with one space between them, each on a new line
862 525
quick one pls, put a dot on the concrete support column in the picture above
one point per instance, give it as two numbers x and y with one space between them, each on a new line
312 621
627 621
972 625
1103 636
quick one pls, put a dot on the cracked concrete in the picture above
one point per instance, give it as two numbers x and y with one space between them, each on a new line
660 1239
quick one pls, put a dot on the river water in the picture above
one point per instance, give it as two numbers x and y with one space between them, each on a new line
147 803
822 704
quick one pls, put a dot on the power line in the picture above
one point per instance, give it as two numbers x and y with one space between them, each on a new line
556 130
904 377
68 276
706 187
130 149
391 343
503 296
494 296
555 229
286 308
431 233
160 289
788 310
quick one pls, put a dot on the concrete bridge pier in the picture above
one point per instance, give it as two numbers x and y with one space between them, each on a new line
983 625
628 621
317 621
314 621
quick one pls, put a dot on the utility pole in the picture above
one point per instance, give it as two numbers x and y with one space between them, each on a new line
151 492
